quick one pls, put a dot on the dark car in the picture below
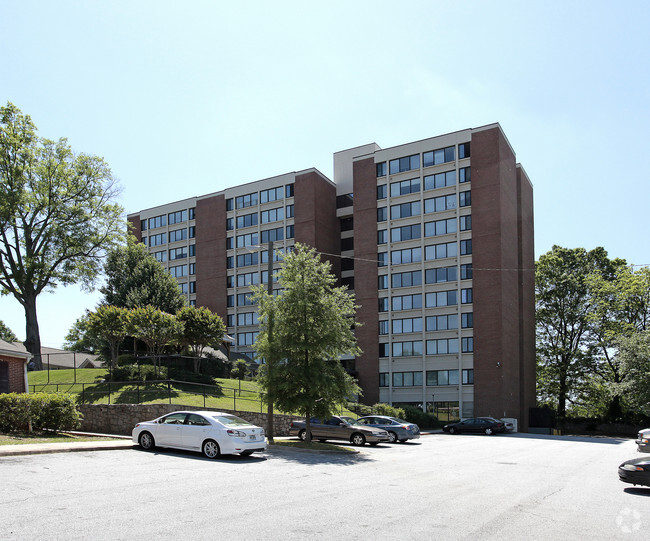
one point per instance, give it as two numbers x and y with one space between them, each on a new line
635 471
483 425
643 440
339 427
398 430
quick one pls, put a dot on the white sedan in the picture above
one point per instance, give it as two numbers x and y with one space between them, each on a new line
211 432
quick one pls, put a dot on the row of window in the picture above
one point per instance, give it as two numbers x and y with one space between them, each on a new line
249 279
431 229
265 196
413 348
254 239
442 322
171 219
432 276
265 217
434 378
433 204
243 320
433 157
431 252
247 260
174 236
432 300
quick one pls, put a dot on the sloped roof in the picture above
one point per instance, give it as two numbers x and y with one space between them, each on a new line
62 358
11 350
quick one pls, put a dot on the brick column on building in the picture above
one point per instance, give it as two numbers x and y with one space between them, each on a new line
501 245
365 276
211 290
315 222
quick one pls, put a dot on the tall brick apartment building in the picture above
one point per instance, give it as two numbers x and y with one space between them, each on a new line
435 238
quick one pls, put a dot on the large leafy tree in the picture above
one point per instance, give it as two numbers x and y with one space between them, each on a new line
307 327
201 328
7 334
620 309
157 329
110 325
634 357
57 216
564 308
134 278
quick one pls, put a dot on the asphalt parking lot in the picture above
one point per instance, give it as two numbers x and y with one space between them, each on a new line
440 487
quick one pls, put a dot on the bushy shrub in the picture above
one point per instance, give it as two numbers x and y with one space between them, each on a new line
420 418
143 372
14 412
390 411
45 411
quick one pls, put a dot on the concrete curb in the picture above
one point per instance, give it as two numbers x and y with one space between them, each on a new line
47 448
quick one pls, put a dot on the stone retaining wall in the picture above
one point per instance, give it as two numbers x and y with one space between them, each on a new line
121 418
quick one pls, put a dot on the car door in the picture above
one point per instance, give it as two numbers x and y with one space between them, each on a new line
318 428
170 429
195 431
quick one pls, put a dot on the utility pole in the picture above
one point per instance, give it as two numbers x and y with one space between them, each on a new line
269 360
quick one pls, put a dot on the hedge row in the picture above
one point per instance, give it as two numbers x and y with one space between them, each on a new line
45 411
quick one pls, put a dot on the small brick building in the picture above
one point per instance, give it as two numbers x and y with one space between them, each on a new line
13 368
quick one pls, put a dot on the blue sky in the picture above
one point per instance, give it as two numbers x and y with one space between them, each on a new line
188 98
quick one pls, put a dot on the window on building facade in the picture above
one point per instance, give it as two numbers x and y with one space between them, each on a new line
465 199
246 260
407 349
178 253
383 304
229 224
246 338
407 379
383 328
467 344
289 211
407 163
443 322
192 250
192 287
381 191
466 222
230 262
406 325
158 221
288 190
466 296
229 204
463 151
272 194
272 215
440 180
406 232
347 224
192 213
245 299
248 279
143 225
382 236
161 256
406 302
466 247
177 217
381 169
382 281
343 201
405 187
247 220
250 239
441 274
272 235
440 227
192 269
244 201
448 377
382 214
465 174
436 157
440 251
441 298
347 244
408 255
405 210
290 231
406 279
157 240
177 235
442 346
467 320
247 319
439 204
382 259
466 271
178 271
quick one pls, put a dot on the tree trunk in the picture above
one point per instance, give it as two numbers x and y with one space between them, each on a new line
32 333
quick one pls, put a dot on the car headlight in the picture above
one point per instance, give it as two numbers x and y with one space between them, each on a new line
236 433
631 467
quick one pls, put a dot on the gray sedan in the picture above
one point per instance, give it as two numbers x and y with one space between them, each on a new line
398 430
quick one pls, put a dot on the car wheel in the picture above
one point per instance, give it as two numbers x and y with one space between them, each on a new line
358 439
302 435
246 453
402 441
488 431
452 430
392 437
146 441
211 449
374 443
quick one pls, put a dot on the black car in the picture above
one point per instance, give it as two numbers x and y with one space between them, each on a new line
484 425
635 471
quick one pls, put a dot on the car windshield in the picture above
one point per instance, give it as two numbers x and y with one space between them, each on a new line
231 420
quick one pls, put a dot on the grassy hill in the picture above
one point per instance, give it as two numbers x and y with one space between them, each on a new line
89 384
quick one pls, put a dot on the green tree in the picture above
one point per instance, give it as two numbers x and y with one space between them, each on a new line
111 325
634 356
78 338
564 309
201 328
312 327
57 216
240 371
134 278
7 334
620 309
157 329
